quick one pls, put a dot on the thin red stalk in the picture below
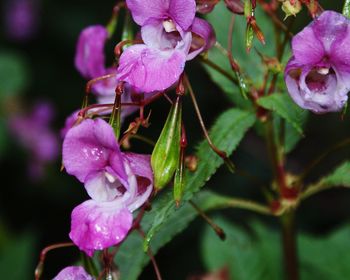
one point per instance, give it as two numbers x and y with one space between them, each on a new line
40 266
151 256
220 153
218 230
233 63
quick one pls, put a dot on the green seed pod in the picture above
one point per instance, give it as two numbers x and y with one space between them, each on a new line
166 153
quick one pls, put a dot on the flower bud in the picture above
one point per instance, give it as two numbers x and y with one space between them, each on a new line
291 8
235 6
206 6
166 153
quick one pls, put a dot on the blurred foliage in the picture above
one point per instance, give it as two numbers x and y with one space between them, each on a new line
253 253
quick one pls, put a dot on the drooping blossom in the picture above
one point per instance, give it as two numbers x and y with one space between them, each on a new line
21 18
73 273
118 183
171 33
32 130
318 74
90 62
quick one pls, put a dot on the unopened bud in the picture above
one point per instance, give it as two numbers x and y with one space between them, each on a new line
191 162
291 8
235 6
166 153
206 6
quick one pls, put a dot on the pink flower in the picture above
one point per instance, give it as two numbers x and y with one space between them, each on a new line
73 273
166 30
318 74
33 132
118 183
90 62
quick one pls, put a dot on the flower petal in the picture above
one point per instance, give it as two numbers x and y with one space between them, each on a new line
150 69
205 31
183 12
96 226
141 167
306 47
87 147
89 57
330 28
102 186
144 10
73 273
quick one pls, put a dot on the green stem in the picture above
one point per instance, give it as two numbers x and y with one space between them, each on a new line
289 245
245 204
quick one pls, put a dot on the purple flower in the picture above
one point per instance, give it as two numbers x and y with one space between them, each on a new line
21 18
90 62
117 182
34 133
166 30
318 74
73 273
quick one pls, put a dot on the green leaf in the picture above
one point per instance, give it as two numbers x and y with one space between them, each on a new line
16 259
249 62
247 256
327 257
131 257
226 134
284 106
340 177
259 255
346 8
13 74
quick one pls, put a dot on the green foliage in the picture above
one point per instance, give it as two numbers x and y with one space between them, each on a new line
249 62
165 219
16 258
257 254
131 257
284 106
327 257
340 177
226 134
248 255
13 74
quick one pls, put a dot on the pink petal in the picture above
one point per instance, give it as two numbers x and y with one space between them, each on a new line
73 273
87 147
205 31
150 69
141 167
183 12
96 226
306 47
330 28
89 57
144 10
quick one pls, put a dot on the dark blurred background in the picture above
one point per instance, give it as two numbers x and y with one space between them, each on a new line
35 212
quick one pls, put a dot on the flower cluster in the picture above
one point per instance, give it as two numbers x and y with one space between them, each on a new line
118 183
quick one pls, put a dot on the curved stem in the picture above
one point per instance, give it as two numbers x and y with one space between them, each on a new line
320 158
219 152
